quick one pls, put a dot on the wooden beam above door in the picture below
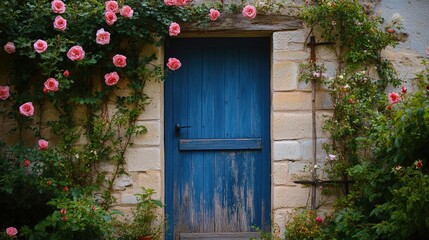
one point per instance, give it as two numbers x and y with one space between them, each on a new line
237 23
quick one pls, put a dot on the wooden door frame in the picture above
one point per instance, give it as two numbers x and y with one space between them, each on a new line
222 35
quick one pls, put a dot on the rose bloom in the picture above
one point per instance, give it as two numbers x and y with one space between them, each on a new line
51 84
332 157
58 6
182 2
214 14
319 219
11 231
418 164
112 6
393 98
65 189
4 92
249 11
404 90
173 64
66 73
111 78
43 144
9 47
174 29
119 60
27 163
27 109
76 53
40 46
102 37
63 211
126 12
60 23
170 2
110 18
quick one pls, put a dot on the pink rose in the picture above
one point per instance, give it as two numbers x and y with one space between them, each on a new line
127 11
60 23
183 2
404 90
214 14
51 84
102 37
11 231
27 109
58 7
110 18
249 11
319 219
4 92
43 144
173 64
393 98
40 46
119 60
66 73
111 78
174 29
27 163
76 53
112 6
10 47
170 2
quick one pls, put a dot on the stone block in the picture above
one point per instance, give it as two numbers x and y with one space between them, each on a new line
151 179
286 150
121 182
143 159
285 76
281 174
154 90
326 53
307 149
286 101
127 198
280 220
324 101
321 116
294 56
299 168
152 137
290 40
290 126
291 196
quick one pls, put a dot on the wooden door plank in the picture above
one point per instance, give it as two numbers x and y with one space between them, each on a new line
220 144
224 236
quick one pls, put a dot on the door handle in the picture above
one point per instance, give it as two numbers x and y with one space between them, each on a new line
177 129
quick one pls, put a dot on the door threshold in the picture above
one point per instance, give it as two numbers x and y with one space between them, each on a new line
220 235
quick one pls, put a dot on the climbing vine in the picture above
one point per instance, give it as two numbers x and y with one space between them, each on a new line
376 135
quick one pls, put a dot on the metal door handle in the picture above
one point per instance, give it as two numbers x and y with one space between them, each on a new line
177 129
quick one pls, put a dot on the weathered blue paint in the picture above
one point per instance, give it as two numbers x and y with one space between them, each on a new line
222 92
219 144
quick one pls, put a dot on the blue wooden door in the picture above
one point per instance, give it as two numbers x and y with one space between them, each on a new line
217 137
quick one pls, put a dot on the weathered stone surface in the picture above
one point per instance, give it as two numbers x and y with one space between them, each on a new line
290 126
307 149
284 76
286 150
143 159
299 168
151 179
121 182
127 198
281 174
284 101
294 56
152 137
290 40
154 90
290 196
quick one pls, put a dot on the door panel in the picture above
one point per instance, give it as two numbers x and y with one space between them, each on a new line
218 166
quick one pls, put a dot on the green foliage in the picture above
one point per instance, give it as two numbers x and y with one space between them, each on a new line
302 225
378 145
88 123
145 220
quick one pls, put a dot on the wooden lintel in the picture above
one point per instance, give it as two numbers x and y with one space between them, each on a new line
238 23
